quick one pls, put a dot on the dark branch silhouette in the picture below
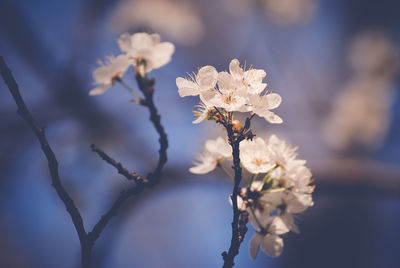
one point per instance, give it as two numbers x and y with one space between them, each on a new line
240 218
146 86
87 240
121 170
51 158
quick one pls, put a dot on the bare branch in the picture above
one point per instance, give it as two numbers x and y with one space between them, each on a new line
146 85
87 240
113 211
240 219
121 170
51 158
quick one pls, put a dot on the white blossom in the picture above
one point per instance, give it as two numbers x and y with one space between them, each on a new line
215 152
148 48
281 153
250 79
231 94
286 12
239 90
205 80
371 53
255 156
361 111
261 105
105 75
274 201
360 114
280 12
271 243
202 113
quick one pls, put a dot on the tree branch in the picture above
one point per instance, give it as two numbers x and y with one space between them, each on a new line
51 158
87 240
121 170
146 86
240 219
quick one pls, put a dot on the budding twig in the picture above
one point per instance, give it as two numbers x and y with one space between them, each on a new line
240 219
87 240
48 152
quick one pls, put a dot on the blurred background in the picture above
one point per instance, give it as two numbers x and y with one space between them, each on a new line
335 64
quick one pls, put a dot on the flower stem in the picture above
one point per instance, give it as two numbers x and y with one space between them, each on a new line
255 217
226 171
267 175
252 180
133 92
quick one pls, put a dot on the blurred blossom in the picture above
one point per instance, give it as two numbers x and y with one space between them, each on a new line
177 20
361 112
372 54
215 152
282 12
289 11
106 73
146 49
144 52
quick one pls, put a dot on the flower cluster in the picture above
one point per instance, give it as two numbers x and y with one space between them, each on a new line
278 186
282 191
143 51
239 90
277 189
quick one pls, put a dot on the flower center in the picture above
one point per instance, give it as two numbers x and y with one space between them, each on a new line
258 161
228 99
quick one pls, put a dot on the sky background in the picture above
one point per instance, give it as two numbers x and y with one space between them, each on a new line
308 51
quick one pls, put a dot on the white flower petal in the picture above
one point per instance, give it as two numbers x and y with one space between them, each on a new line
124 42
274 100
141 41
278 226
272 245
219 146
253 79
224 81
207 165
99 90
156 38
199 119
255 244
207 77
161 55
235 69
148 48
272 117
288 220
105 75
186 87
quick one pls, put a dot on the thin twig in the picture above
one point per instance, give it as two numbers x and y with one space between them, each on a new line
51 158
87 240
121 170
146 85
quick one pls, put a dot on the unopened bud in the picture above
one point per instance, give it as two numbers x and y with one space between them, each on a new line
237 126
